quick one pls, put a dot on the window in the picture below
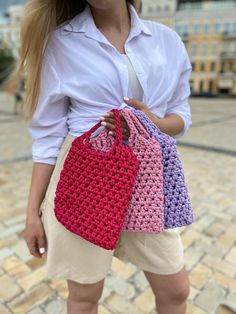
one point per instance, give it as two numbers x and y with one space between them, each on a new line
234 27
216 27
204 48
193 48
195 29
201 86
212 66
206 28
178 29
193 66
214 47
167 8
222 67
185 29
202 67
226 27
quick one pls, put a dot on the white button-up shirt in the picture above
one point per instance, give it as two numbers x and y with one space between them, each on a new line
84 76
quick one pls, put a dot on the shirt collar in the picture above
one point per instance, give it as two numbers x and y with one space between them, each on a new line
84 23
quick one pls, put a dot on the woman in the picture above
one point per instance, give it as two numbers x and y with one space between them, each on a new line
84 58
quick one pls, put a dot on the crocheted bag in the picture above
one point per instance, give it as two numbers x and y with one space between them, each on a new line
145 212
177 206
95 187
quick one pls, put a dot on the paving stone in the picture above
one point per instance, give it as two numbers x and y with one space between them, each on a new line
34 263
219 265
8 288
225 281
212 250
193 309
210 297
224 310
15 267
125 270
1 271
4 310
32 298
120 286
204 222
22 250
230 301
193 293
231 257
192 257
60 286
227 240
9 241
57 306
32 279
145 301
140 281
15 220
36 310
189 236
4 253
119 305
105 293
199 276
215 229
103 310
11 230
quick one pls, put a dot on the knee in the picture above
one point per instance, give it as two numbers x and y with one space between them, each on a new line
175 295
86 295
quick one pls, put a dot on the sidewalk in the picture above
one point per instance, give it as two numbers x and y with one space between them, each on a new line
208 154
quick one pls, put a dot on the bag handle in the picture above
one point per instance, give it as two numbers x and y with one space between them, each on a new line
118 130
135 126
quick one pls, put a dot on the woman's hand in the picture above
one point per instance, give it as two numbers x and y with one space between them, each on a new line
109 121
34 236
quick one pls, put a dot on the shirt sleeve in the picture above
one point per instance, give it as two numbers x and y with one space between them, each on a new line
179 103
48 126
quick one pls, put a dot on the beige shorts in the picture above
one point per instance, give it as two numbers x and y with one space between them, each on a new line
71 257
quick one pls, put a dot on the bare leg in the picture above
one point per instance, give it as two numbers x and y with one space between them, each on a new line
83 298
171 291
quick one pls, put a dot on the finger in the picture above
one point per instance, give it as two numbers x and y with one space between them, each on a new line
112 121
134 103
110 126
41 245
32 245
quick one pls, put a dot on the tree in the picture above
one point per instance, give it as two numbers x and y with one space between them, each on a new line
6 64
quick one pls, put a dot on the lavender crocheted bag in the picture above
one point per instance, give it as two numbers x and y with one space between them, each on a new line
177 206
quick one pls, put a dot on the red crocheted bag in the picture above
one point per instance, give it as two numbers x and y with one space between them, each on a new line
95 187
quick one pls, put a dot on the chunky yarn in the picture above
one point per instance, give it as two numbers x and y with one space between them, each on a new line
177 206
145 212
95 188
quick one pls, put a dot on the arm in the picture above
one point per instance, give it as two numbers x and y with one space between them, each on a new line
48 128
41 175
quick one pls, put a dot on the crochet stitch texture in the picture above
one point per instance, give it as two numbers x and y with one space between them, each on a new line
177 206
145 212
95 188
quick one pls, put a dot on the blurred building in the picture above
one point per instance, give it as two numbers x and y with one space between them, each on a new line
208 29
10 30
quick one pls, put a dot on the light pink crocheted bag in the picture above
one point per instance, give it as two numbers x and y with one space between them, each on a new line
145 212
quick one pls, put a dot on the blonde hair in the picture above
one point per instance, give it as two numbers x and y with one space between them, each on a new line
41 17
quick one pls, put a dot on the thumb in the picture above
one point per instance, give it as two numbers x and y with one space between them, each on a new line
134 103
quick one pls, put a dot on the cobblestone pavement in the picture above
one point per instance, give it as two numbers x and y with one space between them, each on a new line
208 153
